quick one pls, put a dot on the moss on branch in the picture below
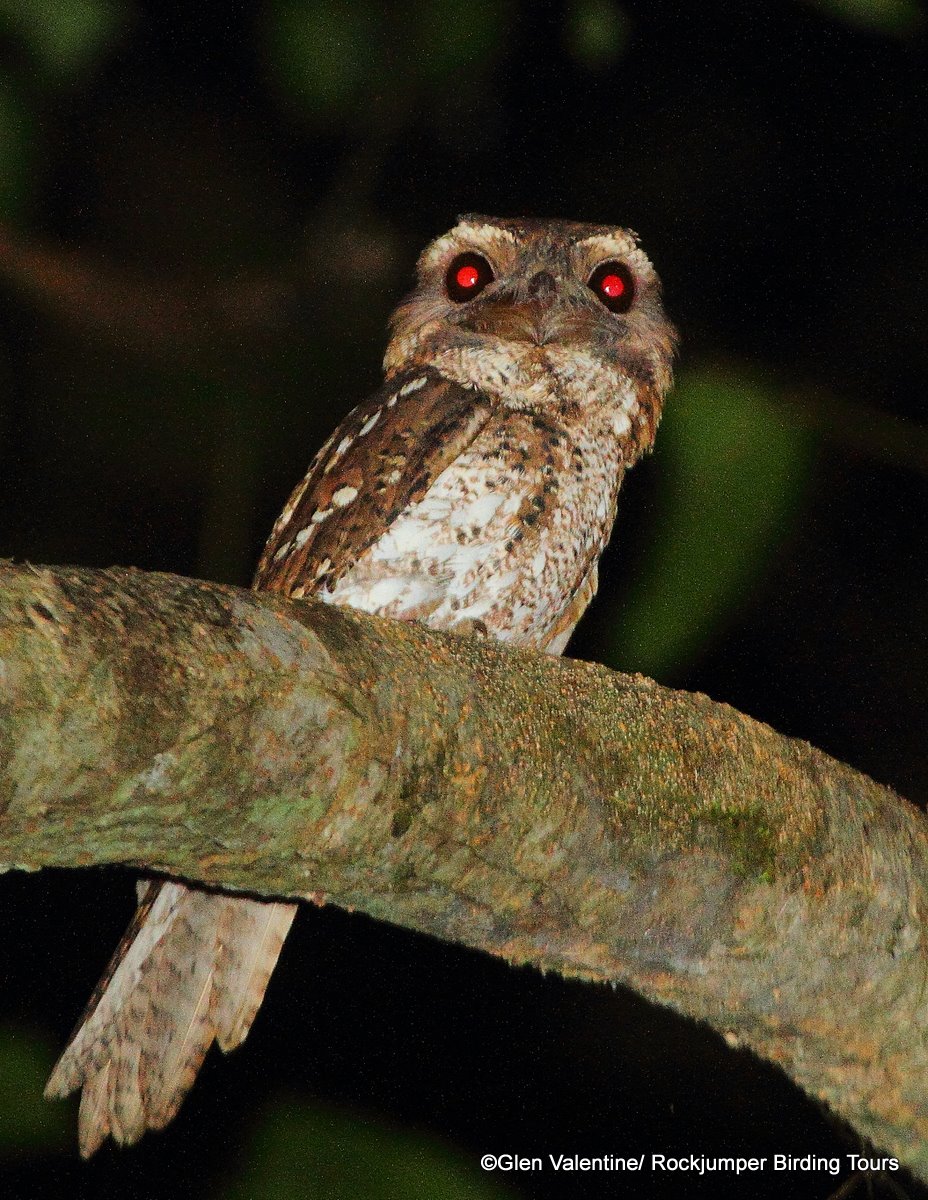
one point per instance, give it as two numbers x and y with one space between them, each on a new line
546 811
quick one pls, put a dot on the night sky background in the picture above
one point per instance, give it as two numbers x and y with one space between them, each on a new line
207 211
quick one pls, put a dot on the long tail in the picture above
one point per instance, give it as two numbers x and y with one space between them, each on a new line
193 966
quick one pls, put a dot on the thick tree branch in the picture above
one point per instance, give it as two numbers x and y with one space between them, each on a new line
545 811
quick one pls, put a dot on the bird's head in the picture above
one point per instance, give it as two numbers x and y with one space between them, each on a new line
536 312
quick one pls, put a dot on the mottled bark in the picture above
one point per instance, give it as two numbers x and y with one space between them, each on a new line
545 811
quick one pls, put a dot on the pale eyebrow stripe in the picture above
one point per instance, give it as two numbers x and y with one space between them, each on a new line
481 231
606 239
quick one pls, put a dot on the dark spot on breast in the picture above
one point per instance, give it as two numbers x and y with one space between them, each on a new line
543 425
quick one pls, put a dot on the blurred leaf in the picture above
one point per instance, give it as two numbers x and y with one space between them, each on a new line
596 32
307 1153
324 53
733 468
900 17
67 36
454 35
28 1123
17 145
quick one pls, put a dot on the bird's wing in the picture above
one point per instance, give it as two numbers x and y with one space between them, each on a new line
384 457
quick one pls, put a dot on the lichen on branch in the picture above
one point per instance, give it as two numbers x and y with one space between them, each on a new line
546 811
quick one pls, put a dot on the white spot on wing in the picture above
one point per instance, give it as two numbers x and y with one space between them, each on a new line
303 536
344 496
412 386
337 454
369 423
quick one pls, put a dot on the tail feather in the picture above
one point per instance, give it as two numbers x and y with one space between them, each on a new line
93 1123
250 950
123 1092
192 967
88 1047
178 1031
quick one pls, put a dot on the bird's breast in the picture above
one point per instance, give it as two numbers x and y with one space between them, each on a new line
505 536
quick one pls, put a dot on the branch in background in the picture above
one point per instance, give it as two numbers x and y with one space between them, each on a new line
545 811
871 432
178 316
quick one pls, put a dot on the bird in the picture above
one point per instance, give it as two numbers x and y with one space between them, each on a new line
473 492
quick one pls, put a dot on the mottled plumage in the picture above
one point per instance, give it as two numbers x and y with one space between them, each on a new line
476 490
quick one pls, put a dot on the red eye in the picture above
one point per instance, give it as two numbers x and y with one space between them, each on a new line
467 276
614 284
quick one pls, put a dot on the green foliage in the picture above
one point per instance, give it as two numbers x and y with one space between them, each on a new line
330 57
28 1123
899 17
322 53
734 467
307 1153
457 35
596 33
69 36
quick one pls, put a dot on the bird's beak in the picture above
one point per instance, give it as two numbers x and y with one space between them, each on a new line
525 322
531 315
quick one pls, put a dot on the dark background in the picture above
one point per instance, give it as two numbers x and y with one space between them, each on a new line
208 211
